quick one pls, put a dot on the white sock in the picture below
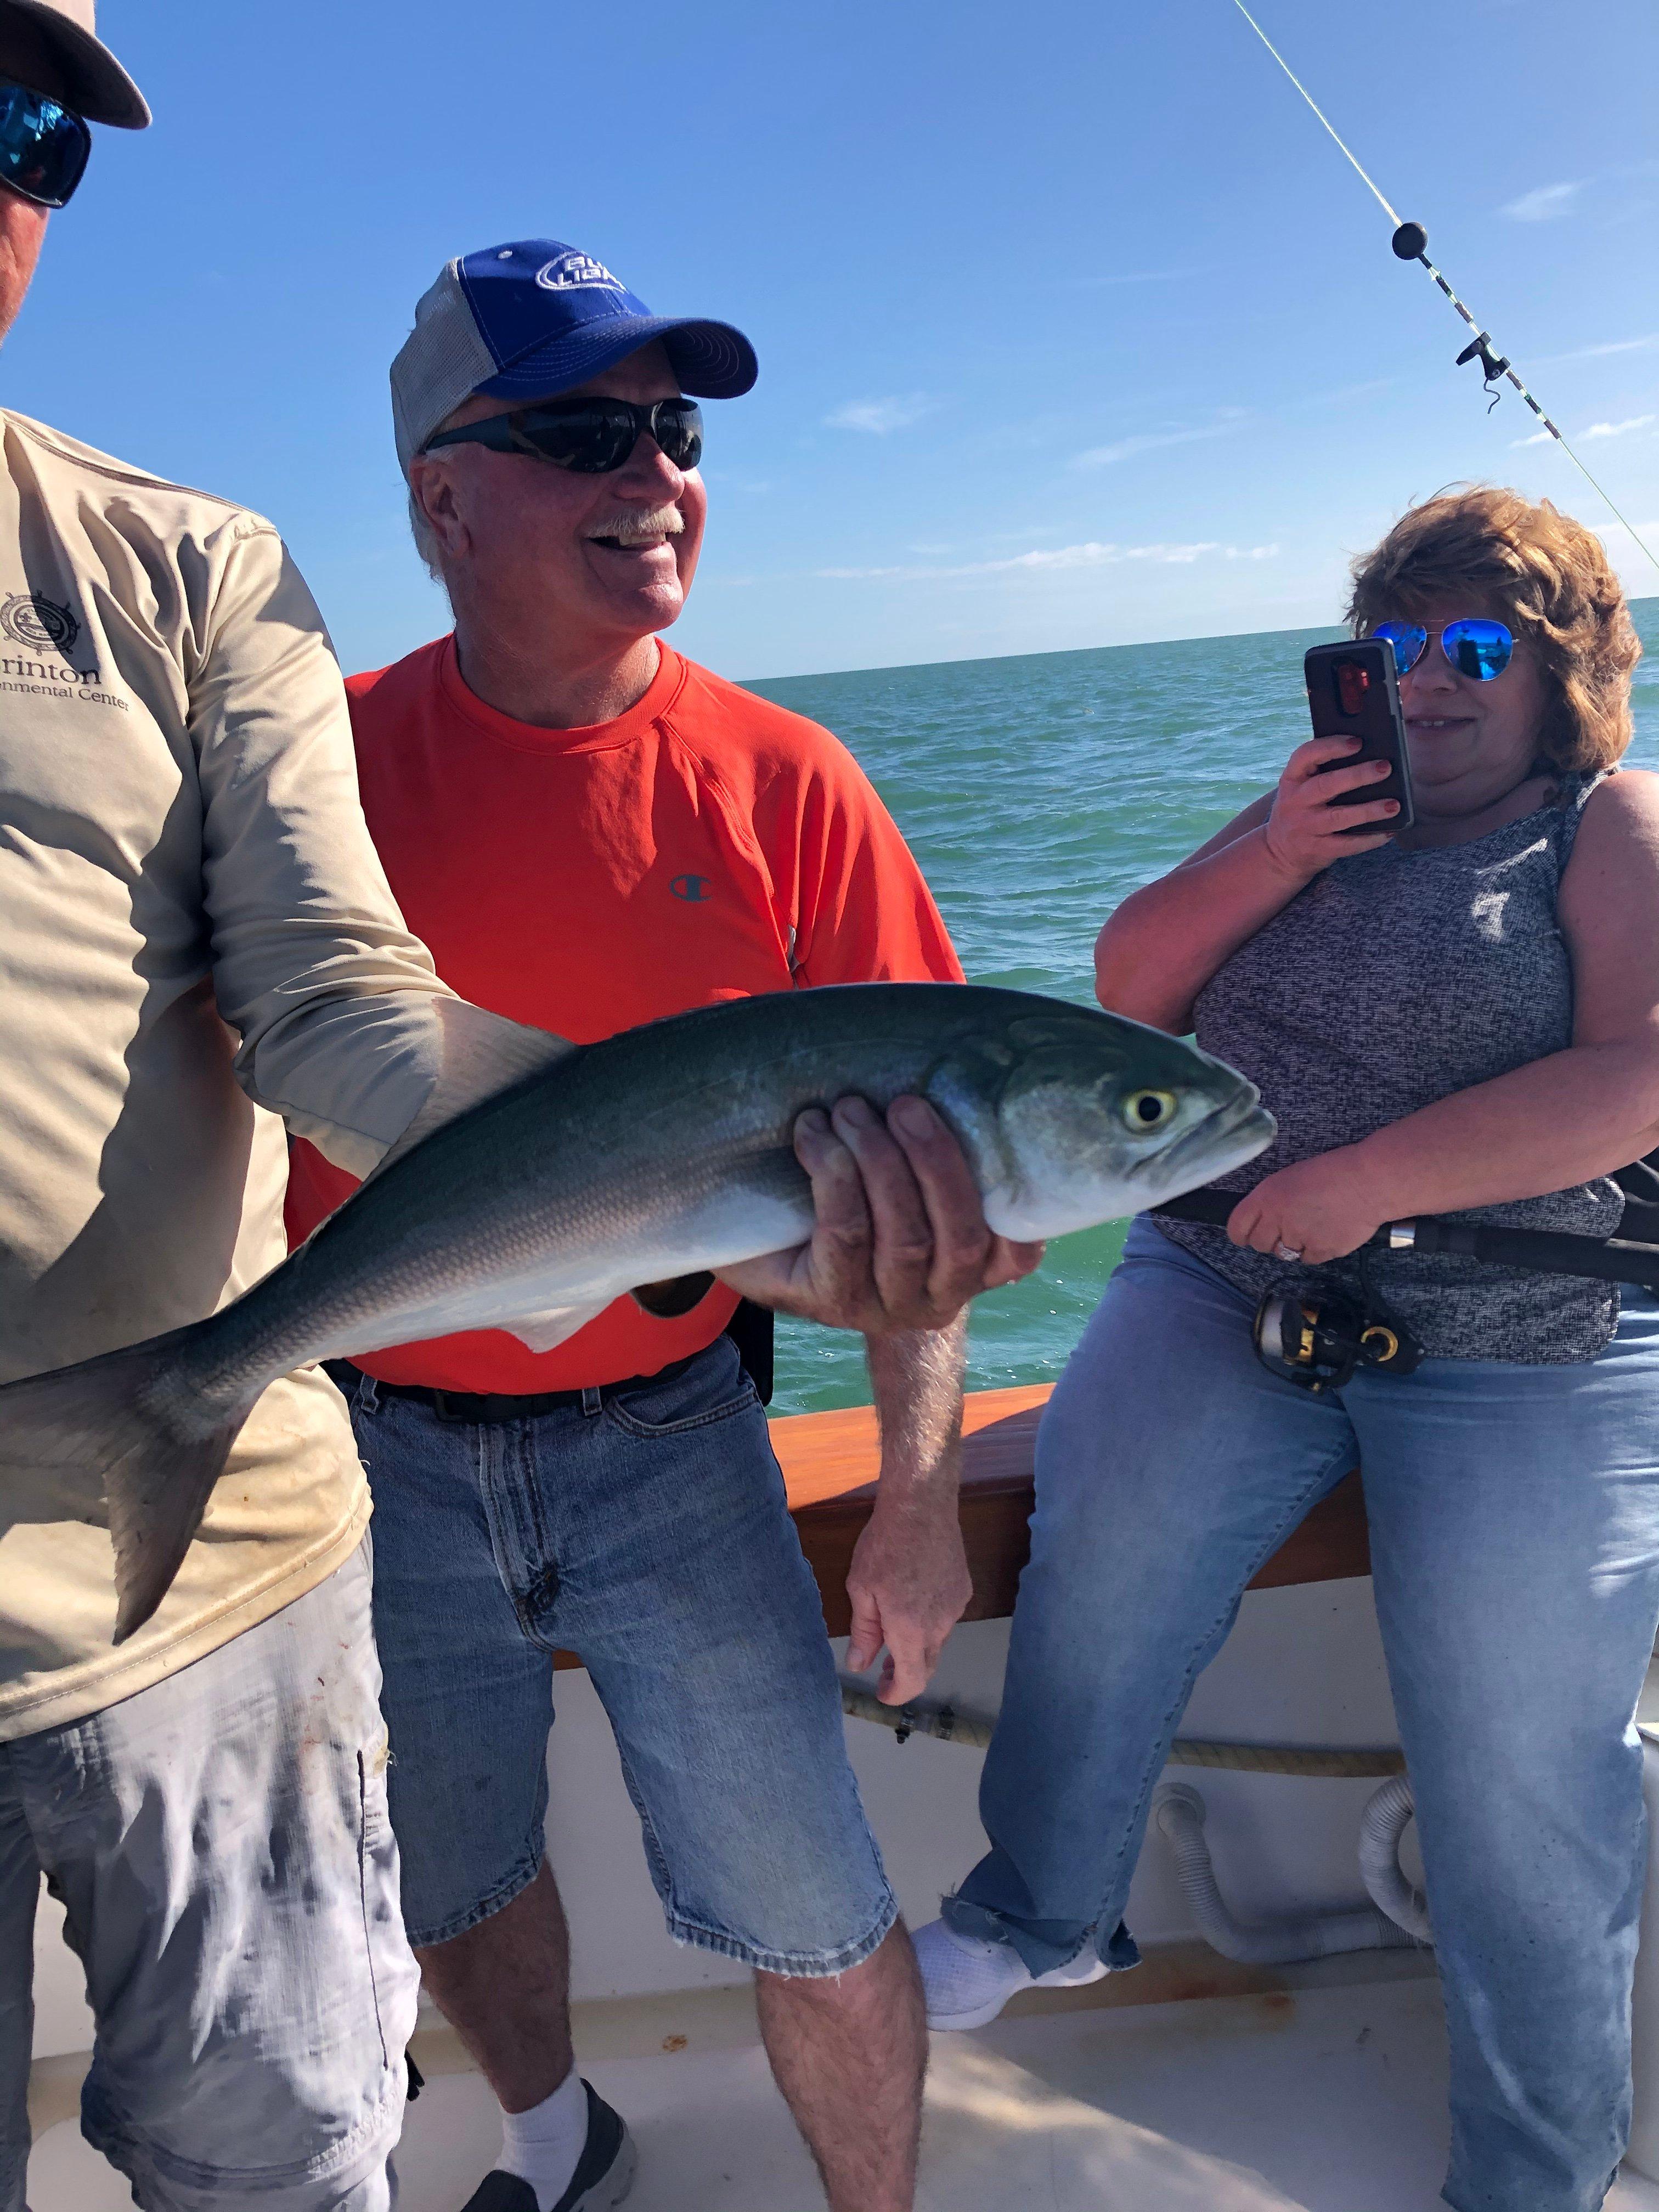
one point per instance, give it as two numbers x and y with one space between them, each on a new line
542 2146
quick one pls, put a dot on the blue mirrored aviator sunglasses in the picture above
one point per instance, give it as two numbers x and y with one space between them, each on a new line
42 147
1475 647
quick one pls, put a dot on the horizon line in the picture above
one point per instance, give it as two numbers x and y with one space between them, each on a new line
1058 653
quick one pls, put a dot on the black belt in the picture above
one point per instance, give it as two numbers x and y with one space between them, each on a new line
487 1406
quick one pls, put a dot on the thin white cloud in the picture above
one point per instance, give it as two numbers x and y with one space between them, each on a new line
880 416
1124 449
1598 352
1094 556
1618 429
1544 203
1618 345
1594 430
1051 559
1642 538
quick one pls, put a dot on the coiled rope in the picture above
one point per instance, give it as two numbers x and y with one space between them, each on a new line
1411 243
946 1725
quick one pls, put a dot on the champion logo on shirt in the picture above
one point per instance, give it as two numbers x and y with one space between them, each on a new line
694 890
566 271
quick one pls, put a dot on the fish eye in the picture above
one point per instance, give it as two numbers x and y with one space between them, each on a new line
1148 1109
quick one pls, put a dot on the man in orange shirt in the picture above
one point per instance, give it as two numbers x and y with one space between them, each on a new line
589 832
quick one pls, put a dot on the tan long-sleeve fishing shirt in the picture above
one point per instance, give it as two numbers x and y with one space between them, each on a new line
197 944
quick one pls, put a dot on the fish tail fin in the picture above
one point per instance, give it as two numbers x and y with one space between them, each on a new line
135 1426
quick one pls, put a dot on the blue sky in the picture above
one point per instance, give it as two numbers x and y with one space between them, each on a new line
1075 328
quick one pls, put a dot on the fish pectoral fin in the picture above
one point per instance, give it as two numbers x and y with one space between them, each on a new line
482 1053
540 1332
669 1300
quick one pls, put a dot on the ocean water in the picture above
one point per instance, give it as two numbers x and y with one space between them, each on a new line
1036 792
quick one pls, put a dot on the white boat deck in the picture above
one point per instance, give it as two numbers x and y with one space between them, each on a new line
1192 2085
1326 2093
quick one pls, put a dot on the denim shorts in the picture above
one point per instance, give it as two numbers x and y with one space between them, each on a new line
647 1529
222 1847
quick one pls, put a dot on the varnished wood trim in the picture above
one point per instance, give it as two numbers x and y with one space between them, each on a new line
831 1462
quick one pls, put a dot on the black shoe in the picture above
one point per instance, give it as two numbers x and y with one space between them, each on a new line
603 2175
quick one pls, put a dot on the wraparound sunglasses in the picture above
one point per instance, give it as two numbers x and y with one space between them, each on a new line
42 147
1475 648
589 436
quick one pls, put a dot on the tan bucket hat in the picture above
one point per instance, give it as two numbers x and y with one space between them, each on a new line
90 78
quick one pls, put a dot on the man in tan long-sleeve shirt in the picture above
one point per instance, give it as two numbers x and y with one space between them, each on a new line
196 947
196 940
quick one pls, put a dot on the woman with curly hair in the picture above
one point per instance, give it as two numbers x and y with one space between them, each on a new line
1461 1017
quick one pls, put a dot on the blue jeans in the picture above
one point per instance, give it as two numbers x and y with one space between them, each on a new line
1514 1514
647 1529
221 1845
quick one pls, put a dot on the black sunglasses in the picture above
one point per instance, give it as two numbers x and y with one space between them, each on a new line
590 436
42 147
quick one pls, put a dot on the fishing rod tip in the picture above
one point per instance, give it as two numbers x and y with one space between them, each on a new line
1411 241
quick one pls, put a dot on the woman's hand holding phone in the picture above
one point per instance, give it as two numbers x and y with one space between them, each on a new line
1167 939
1305 832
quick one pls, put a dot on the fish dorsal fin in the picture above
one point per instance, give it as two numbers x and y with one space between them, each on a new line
540 1332
482 1053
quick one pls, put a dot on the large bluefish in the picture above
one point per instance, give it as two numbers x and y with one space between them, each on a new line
662 1151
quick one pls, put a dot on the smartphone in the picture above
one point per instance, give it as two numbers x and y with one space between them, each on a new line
1353 692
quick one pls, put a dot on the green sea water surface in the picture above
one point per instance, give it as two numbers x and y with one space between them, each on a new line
1037 792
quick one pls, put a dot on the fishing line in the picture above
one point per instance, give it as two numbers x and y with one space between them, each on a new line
1411 243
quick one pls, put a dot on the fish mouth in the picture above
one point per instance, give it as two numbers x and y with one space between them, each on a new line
1226 1137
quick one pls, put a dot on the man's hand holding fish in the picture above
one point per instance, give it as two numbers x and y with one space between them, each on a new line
899 1237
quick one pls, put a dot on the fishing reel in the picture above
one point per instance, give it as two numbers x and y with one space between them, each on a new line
1320 1342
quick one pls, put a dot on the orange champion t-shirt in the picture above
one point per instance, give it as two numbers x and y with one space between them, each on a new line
706 845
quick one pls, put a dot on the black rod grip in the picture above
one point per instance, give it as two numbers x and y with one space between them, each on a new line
1545 1251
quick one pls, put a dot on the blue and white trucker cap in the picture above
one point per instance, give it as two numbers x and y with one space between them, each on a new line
535 318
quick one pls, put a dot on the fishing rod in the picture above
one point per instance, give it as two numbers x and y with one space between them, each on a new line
1539 1251
1411 243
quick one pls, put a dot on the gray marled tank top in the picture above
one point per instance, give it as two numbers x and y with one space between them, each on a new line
1392 980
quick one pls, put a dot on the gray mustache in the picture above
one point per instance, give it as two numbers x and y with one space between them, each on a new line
632 526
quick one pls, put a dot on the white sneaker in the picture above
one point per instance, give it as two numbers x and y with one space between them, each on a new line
968 1979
